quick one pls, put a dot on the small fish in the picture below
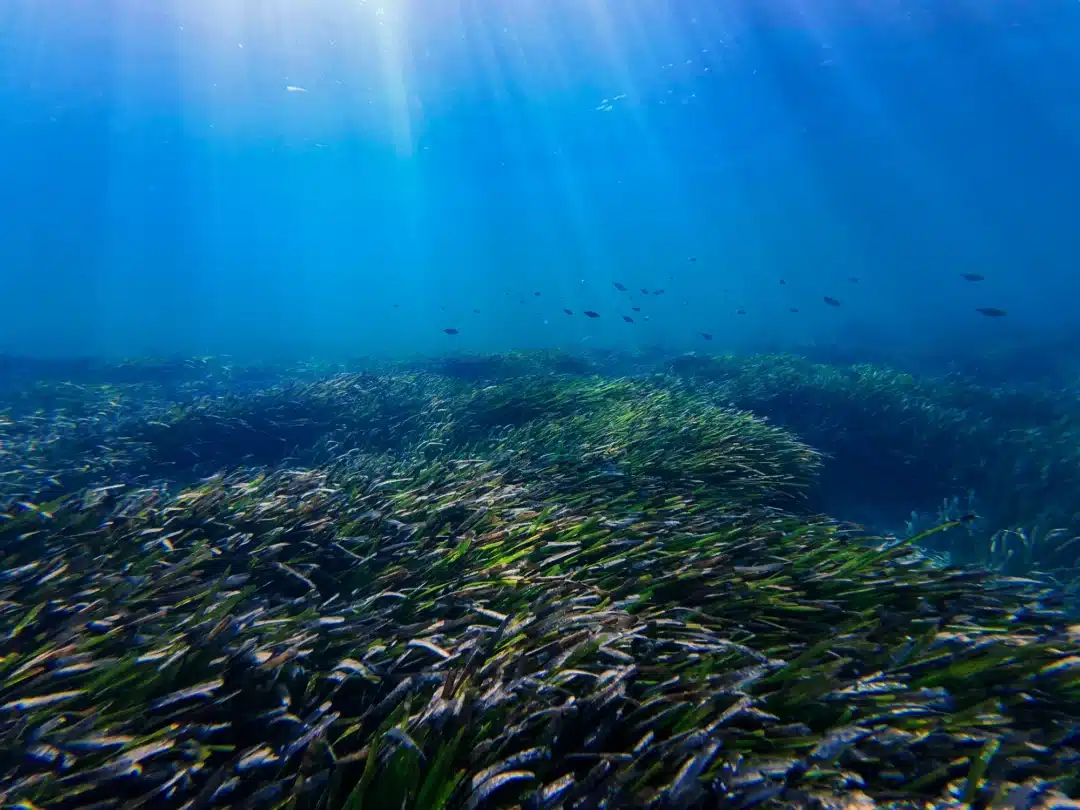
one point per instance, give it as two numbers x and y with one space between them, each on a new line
619 287
476 311
853 279
991 312
832 302
451 331
592 314
707 335
627 318
536 294
567 311
972 277
782 281
636 309
740 312
292 88
658 292
692 259
644 291
793 309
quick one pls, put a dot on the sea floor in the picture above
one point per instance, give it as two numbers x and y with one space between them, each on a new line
535 580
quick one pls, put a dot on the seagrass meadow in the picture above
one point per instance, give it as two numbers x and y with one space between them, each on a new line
536 580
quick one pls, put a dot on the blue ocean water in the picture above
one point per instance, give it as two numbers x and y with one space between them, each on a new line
271 178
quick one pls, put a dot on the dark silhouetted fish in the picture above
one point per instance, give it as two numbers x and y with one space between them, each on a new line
692 259
644 291
567 311
451 331
991 312
627 318
853 279
832 302
536 294
707 335
782 281
636 309
793 309
972 277
658 292
740 312
592 314
619 287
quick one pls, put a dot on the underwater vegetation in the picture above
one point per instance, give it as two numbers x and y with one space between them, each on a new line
528 581
893 443
1011 454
